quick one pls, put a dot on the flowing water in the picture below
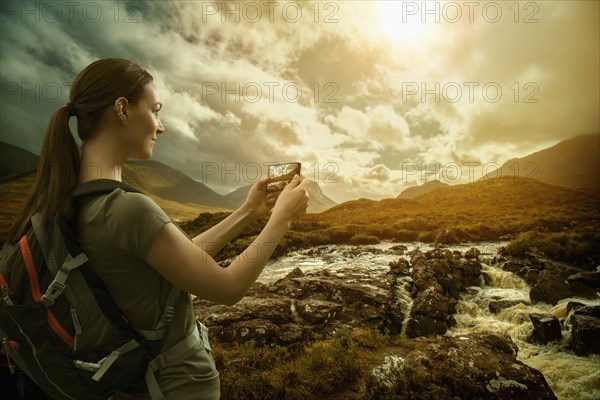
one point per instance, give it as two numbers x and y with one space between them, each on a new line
571 377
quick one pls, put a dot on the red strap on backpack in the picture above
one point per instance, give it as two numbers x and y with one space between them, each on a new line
37 294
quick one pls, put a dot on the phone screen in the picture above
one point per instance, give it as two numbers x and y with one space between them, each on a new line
281 174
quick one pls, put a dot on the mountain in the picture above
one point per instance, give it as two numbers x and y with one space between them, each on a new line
571 163
481 210
15 161
171 184
177 194
415 191
317 201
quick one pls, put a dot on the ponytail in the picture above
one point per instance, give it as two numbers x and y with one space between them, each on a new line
57 175
94 89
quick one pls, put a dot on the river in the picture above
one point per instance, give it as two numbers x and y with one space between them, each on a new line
571 377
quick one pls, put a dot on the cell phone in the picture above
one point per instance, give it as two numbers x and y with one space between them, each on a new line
281 174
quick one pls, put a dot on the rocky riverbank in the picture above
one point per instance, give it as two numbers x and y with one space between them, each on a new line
413 298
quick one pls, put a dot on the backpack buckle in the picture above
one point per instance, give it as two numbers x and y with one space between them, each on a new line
54 290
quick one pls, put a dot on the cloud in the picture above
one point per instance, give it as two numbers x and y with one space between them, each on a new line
379 172
353 90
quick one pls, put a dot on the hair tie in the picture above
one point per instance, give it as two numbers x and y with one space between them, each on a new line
71 108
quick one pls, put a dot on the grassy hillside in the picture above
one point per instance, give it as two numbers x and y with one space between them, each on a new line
14 192
484 210
574 162
416 191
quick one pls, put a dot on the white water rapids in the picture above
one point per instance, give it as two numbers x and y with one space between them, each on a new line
571 377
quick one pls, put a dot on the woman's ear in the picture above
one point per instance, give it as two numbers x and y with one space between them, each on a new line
120 107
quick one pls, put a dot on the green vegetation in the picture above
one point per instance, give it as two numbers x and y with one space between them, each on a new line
341 367
333 368
481 211
581 248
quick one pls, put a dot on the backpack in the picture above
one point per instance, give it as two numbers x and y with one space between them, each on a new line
61 326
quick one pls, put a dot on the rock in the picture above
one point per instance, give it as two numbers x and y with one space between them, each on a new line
588 311
432 303
399 267
551 288
474 366
564 270
520 265
471 271
585 332
312 304
583 291
546 328
399 249
296 273
317 303
586 278
531 276
472 254
317 311
422 325
495 306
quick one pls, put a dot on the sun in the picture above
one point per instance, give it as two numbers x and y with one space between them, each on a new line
400 27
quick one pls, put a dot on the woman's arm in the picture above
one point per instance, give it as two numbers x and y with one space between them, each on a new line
258 203
193 270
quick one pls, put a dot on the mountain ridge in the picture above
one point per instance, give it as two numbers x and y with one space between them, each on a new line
573 162
317 201
416 191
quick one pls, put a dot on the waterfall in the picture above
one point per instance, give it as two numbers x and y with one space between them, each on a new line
571 377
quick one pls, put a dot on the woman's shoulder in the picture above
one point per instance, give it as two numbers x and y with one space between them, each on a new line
131 204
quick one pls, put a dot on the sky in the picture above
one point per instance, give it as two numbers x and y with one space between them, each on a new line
370 96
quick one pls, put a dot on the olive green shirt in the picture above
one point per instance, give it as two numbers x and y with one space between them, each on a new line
116 231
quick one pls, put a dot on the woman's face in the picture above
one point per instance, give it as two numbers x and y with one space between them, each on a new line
143 124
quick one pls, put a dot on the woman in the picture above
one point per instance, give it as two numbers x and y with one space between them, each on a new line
131 243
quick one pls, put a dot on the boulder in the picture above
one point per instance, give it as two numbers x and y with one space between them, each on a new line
302 306
520 265
585 334
531 276
398 249
588 311
472 254
550 288
432 303
422 325
586 278
473 366
317 303
317 311
399 267
546 328
295 273
470 272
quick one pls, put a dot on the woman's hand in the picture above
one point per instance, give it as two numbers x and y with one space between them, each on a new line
292 202
258 202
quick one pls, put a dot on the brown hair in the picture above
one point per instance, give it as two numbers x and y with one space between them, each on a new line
94 89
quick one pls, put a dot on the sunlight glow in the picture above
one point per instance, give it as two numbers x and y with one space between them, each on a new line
401 27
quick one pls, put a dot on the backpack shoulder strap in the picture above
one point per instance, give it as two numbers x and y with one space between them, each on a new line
99 186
